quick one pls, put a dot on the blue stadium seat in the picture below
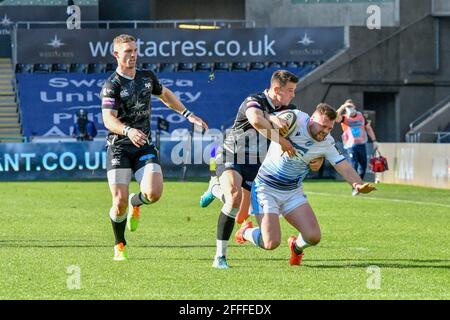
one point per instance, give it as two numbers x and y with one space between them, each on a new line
78 67
186 67
110 67
292 65
275 65
257 66
60 68
42 68
96 68
222 66
168 67
151 66
204 66
240 66
24 68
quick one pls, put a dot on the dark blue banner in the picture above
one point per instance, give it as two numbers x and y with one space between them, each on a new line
158 45
48 102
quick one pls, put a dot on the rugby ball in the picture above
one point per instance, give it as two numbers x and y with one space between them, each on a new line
291 119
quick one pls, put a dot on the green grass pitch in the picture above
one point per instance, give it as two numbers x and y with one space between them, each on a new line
53 233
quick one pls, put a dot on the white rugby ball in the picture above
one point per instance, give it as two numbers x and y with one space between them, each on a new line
291 118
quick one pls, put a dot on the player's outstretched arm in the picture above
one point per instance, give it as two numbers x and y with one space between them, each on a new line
351 176
170 100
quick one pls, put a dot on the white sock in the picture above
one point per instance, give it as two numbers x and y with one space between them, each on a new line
253 235
221 248
116 218
217 192
301 244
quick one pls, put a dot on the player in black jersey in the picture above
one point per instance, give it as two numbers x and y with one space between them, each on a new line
239 159
126 109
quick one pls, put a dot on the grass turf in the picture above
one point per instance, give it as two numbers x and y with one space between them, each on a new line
48 227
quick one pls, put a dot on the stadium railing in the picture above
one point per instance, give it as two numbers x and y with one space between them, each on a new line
135 24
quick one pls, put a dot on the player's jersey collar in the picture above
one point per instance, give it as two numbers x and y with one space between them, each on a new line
266 93
124 76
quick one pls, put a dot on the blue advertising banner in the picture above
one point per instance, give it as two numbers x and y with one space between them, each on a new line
48 102
87 160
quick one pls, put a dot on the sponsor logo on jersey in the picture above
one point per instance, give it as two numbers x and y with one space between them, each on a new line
124 93
115 162
146 157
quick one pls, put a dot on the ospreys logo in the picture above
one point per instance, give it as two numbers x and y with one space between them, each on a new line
124 93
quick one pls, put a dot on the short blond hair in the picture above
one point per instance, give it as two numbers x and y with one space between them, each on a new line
123 38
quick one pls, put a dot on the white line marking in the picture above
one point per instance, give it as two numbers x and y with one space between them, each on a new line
380 199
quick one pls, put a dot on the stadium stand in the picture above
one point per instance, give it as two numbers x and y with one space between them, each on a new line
47 2
168 67
151 66
96 68
60 68
240 66
42 68
204 66
10 129
222 66
190 67
78 67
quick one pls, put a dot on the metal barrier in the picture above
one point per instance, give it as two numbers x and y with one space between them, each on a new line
108 24
438 137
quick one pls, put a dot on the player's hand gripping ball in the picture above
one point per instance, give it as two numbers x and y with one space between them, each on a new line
291 118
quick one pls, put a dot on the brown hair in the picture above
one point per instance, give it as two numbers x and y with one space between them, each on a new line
326 109
283 77
349 101
123 38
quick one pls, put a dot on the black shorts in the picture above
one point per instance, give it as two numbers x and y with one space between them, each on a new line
248 172
129 156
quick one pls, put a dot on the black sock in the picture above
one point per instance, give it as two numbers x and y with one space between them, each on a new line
225 227
297 250
138 200
119 231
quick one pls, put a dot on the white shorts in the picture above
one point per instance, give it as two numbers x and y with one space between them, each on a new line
266 199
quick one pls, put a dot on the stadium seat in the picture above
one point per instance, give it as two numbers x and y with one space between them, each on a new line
24 68
151 66
60 68
186 67
222 66
96 68
78 67
292 65
168 67
275 65
240 66
110 67
42 68
257 66
204 66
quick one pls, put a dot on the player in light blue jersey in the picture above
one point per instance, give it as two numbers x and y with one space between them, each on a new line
277 189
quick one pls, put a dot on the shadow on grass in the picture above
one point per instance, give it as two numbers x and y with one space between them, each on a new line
307 263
